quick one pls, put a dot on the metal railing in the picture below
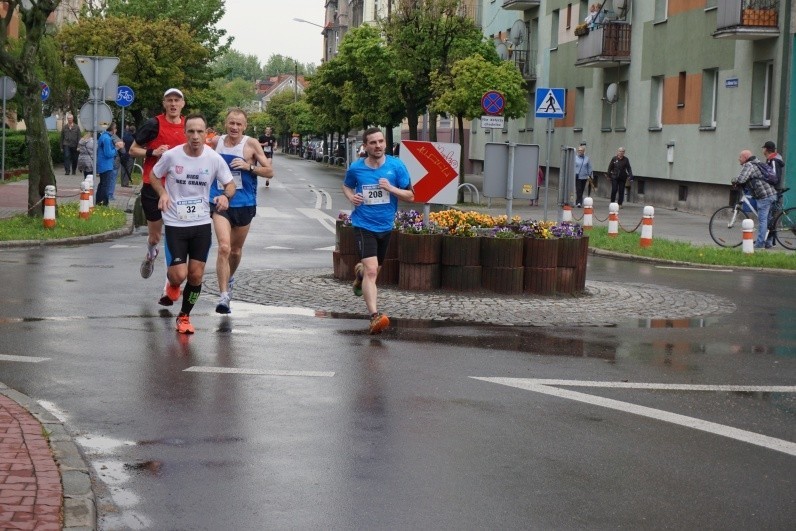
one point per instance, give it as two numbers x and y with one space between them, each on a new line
751 13
610 39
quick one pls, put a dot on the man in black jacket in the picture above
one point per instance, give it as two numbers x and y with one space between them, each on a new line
620 173
770 156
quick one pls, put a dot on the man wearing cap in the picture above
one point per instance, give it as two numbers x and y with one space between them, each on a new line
773 158
155 137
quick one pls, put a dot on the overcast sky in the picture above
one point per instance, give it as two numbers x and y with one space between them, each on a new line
266 27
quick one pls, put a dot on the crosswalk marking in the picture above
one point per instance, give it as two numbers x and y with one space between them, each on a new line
260 372
531 384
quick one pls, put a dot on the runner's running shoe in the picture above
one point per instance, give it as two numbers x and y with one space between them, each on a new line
170 294
224 304
378 323
230 285
184 325
358 279
148 265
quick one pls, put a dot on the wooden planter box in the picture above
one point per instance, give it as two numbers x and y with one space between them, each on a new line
540 281
344 240
344 265
501 252
392 249
418 277
759 17
566 280
507 280
460 251
580 268
540 254
568 252
388 274
460 278
420 249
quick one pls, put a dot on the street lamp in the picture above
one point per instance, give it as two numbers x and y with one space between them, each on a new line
308 22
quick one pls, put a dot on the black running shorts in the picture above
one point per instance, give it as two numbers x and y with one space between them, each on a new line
237 216
149 203
372 243
183 243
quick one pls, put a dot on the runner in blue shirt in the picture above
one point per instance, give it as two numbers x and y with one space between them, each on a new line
374 185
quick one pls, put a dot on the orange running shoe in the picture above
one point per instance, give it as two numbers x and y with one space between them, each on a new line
378 323
184 325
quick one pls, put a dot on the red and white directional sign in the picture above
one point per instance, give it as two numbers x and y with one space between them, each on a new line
434 170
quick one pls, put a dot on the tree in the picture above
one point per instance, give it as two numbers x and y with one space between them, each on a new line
154 55
280 64
20 63
427 35
199 15
459 93
233 64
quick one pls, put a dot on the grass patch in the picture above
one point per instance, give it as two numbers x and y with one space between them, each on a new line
628 243
68 224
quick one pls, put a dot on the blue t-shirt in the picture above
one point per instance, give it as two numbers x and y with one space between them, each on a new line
377 213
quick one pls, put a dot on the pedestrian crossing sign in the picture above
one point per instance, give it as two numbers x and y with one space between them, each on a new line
550 102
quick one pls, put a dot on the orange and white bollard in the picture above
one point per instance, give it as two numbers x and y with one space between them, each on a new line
567 213
748 227
49 207
90 181
85 201
588 213
646 226
613 220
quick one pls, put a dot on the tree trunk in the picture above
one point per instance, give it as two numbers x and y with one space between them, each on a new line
411 121
460 123
432 126
40 168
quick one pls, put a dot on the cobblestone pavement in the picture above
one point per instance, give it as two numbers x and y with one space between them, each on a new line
609 303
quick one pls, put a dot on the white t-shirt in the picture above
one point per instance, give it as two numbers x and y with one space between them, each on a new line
188 181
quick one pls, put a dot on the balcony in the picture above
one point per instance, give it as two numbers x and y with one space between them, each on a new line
526 63
605 46
520 5
747 19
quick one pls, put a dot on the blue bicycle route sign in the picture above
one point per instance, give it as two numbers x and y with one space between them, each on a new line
124 96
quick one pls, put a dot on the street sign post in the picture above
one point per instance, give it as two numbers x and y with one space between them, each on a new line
492 122
124 98
550 103
510 171
96 71
45 91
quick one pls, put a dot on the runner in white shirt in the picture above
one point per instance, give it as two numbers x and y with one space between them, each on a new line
188 171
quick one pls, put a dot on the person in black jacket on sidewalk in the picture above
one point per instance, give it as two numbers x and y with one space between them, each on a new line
620 173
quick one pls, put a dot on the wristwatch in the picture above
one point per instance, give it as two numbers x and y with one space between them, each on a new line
251 168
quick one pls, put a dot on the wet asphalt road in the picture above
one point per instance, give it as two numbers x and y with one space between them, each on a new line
433 425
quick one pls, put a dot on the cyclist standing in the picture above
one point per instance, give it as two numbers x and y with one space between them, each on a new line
751 179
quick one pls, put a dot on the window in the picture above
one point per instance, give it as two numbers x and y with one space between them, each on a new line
531 114
580 95
554 30
762 93
661 10
710 94
656 103
607 113
681 90
569 16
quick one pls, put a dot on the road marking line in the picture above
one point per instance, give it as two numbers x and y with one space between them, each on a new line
656 414
663 386
260 372
330 248
23 359
279 248
270 212
325 219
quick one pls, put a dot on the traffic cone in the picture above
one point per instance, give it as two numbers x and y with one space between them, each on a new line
49 207
588 213
646 226
85 201
613 220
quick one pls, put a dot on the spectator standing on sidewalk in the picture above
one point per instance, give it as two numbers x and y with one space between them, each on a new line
106 154
85 149
773 158
374 185
182 179
751 179
126 161
152 140
70 137
118 143
583 172
246 161
620 174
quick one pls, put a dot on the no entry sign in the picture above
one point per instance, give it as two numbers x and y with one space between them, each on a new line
434 170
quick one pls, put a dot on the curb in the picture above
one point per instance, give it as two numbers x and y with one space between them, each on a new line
79 502
653 260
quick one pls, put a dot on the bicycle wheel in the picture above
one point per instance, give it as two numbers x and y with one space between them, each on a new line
785 225
725 226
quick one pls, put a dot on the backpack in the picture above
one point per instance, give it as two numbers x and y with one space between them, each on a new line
767 173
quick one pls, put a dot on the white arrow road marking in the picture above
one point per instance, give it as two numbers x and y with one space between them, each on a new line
260 372
277 247
23 359
765 441
319 197
325 219
330 248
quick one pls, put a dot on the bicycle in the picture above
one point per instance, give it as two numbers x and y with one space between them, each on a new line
725 224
